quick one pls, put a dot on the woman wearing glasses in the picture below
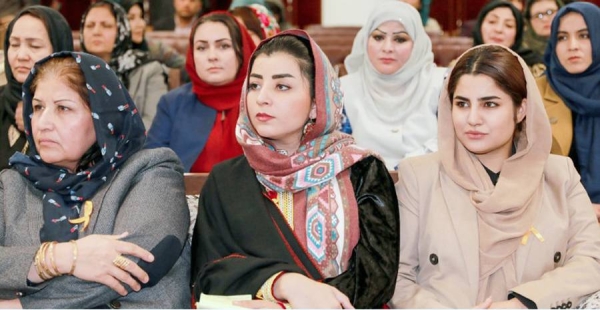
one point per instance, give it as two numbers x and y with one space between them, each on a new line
538 19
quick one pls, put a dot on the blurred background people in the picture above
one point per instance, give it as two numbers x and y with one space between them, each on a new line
106 33
35 32
197 120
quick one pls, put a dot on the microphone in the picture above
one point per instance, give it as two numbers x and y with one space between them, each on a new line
166 253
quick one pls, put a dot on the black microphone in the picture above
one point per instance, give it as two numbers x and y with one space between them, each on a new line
166 253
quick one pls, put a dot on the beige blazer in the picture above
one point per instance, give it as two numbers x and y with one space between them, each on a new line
439 245
559 116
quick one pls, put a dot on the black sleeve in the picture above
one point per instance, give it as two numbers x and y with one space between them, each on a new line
370 279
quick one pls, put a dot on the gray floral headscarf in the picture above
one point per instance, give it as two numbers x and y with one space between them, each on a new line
123 58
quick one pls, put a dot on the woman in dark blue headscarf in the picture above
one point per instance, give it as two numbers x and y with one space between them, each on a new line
573 61
88 218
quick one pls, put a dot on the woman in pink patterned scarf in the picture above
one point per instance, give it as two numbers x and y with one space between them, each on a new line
305 218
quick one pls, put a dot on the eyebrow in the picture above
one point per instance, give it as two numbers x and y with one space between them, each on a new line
578 31
216 41
275 76
479 99
402 31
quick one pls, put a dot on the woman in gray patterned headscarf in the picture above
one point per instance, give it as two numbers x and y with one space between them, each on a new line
106 33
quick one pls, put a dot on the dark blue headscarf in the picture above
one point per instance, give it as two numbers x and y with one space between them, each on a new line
581 93
120 133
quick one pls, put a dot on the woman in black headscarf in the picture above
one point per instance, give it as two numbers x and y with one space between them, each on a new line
496 25
105 32
33 34
157 50
83 217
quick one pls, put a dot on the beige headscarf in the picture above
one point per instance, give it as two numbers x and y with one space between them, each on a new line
506 211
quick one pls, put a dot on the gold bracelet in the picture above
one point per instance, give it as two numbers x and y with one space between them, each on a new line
42 261
45 267
74 262
36 262
52 260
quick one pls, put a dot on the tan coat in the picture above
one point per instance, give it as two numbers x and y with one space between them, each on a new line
439 245
559 116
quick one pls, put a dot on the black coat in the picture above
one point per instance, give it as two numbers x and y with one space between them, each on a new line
241 239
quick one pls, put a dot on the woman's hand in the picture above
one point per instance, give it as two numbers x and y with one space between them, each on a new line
96 262
19 116
302 292
257 304
597 210
11 304
485 304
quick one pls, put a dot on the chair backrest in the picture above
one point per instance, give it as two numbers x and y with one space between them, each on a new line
194 182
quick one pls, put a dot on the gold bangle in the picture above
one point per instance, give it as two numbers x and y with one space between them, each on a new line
45 268
52 260
36 262
41 264
74 262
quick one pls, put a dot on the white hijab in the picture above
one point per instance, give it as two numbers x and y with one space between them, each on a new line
393 114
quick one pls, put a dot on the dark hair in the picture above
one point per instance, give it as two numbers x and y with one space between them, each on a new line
67 70
490 6
232 26
251 22
497 63
529 4
128 4
296 47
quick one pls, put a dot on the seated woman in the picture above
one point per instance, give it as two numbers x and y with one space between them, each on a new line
500 22
518 228
305 216
92 198
393 85
570 90
197 120
33 34
538 19
257 19
157 50
106 33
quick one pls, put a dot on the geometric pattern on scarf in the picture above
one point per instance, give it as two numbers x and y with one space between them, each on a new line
119 131
316 171
124 58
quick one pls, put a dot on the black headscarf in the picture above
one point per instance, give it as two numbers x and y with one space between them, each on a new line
127 5
120 133
528 55
10 94
124 58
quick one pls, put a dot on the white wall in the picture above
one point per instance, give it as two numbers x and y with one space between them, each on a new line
346 12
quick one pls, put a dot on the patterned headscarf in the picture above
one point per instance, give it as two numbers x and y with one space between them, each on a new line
316 171
581 93
123 58
120 133
268 23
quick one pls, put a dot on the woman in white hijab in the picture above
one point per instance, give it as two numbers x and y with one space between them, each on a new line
393 85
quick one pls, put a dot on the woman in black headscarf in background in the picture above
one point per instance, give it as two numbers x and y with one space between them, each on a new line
33 34
500 22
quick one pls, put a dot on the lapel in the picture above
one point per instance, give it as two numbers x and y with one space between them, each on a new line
549 95
463 217
97 201
35 216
